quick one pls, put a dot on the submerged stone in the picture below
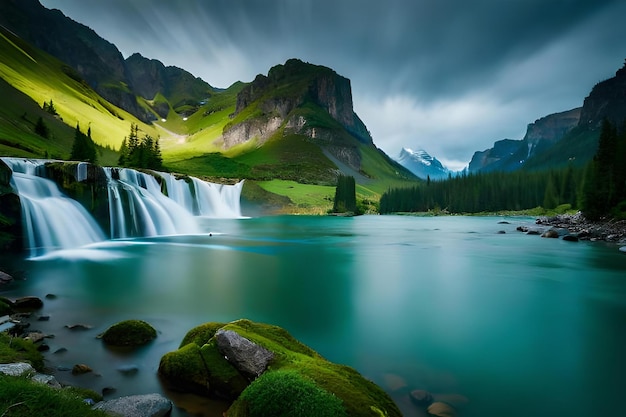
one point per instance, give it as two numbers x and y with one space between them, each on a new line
439 409
421 397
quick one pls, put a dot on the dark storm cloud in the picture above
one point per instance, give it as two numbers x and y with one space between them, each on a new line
448 75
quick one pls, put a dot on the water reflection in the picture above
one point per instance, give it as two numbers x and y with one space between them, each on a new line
518 325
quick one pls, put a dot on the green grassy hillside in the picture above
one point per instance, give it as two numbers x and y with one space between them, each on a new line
290 164
42 78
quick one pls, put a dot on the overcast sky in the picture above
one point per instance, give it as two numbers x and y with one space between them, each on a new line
448 76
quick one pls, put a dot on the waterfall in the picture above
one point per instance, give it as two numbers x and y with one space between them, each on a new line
205 198
137 205
50 219
217 200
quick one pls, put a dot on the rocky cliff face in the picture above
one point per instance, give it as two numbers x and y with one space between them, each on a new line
509 154
289 86
10 213
303 99
552 128
606 100
493 158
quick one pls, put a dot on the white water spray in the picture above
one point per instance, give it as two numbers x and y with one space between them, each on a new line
51 220
136 203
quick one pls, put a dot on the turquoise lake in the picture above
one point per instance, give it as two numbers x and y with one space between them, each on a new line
501 324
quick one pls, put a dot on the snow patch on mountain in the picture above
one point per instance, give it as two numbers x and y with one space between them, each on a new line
422 164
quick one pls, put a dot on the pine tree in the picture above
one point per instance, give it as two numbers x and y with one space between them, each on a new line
142 152
83 148
550 196
345 195
123 153
49 107
41 128
600 184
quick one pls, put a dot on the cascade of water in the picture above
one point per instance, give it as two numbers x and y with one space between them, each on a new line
137 206
204 198
81 171
218 200
51 219
179 191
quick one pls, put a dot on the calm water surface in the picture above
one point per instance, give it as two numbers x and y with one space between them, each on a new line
500 324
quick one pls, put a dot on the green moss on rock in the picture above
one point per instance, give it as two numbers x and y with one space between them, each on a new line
185 369
286 394
201 334
129 333
224 379
309 382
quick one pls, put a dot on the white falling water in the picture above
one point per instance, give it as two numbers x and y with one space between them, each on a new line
217 200
51 220
205 198
137 206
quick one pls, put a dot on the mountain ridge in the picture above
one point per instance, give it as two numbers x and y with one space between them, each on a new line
98 61
422 164
511 154
560 139
305 111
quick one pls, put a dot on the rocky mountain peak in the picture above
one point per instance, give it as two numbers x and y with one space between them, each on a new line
422 164
553 127
606 100
290 85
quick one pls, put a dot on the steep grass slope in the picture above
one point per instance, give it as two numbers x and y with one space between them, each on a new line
43 78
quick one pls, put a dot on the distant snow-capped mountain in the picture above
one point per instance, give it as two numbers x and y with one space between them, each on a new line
422 164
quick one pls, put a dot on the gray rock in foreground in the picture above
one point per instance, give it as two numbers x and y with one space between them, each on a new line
5 278
248 357
26 370
17 369
148 405
623 249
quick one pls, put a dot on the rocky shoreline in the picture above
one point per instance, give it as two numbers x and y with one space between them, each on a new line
607 230
16 318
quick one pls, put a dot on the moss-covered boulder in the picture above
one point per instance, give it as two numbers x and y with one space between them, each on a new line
297 382
129 333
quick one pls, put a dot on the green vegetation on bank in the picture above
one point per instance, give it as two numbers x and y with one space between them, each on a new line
22 397
15 349
489 192
605 187
599 189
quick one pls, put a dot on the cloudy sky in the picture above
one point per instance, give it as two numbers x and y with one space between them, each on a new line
448 76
